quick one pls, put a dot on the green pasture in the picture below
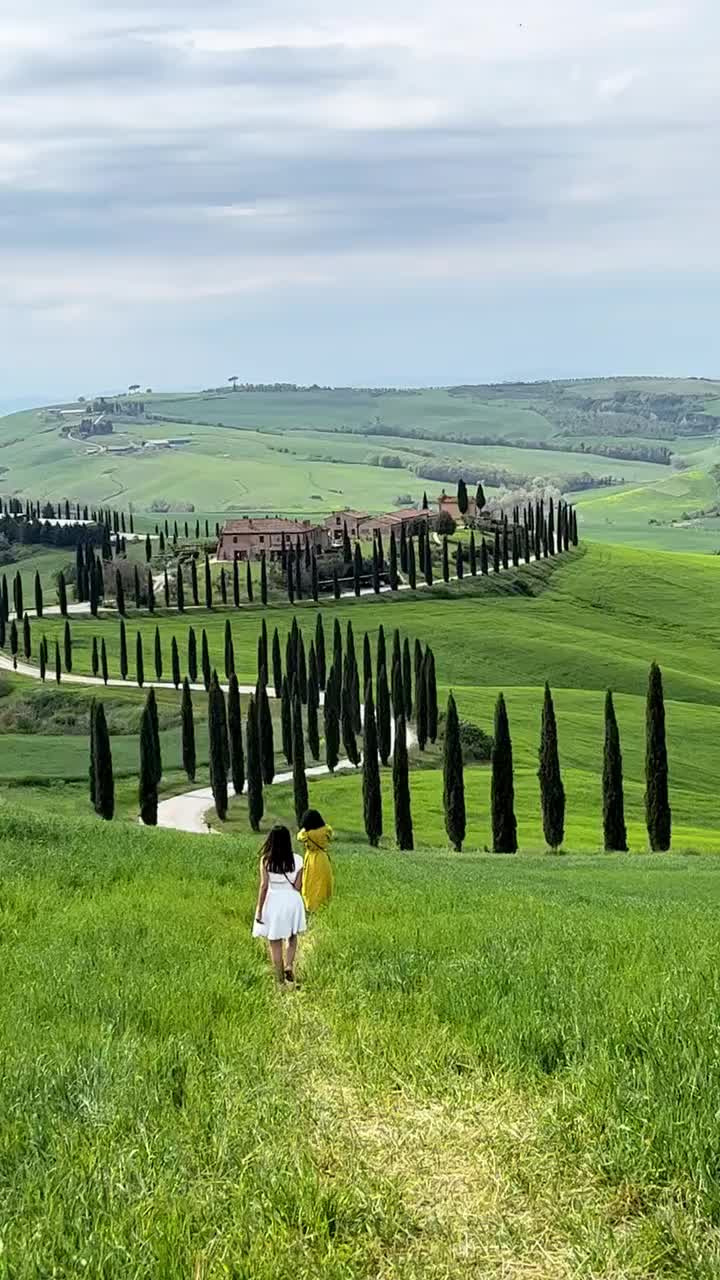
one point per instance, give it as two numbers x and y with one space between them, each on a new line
494 1066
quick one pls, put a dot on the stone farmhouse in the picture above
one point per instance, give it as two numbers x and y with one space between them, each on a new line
250 536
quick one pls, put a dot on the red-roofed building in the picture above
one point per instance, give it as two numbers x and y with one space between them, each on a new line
339 520
410 517
249 537
448 502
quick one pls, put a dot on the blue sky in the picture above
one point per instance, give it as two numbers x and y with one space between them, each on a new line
380 193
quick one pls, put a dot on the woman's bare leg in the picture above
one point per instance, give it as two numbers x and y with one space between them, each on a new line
290 951
276 951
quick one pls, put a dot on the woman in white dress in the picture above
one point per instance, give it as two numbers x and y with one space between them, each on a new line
280 912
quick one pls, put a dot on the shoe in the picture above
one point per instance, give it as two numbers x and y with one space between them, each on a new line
289 975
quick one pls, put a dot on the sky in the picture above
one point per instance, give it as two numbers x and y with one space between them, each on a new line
385 193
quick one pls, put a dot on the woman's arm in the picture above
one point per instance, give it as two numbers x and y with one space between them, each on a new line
297 882
262 895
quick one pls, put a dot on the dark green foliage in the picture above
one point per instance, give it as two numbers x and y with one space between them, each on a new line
95 658
453 779
431 702
42 658
658 816
502 789
407 674
381 659
614 829
496 551
229 650
180 590
403 548
139 660
428 563
194 582
62 595
148 785
462 497
104 786
552 792
375 569
237 755
175 662
249 583
351 680
148 548
58 664
337 661
393 566
320 650
480 498
286 720
189 759
265 734
205 660
223 585
412 564
277 664
331 716
347 546
103 660
158 655
313 702
300 787
357 568
208 584
301 673
397 690
91 768
18 595
166 589
459 561
384 718
67 647
315 585
236 583
336 584
218 747
372 794
119 593
445 561
348 725
123 651
484 566
192 655
151 704
401 788
27 637
263 579
367 662
290 575
38 595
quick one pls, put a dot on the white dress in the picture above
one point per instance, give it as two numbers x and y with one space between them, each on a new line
283 914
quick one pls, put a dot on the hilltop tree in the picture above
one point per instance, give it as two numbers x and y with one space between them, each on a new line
552 792
614 829
657 803
158 655
18 595
331 716
103 790
372 794
205 660
254 769
502 789
38 595
462 497
300 787
123 651
148 796
139 660
425 505
401 788
496 551
480 498
384 718
320 650
265 734
453 779
428 563
67 646
218 747
375 569
189 758
223 586
192 655
237 755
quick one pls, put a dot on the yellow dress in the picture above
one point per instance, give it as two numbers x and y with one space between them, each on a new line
317 881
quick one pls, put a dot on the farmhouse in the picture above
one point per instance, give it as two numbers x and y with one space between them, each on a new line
339 520
448 503
249 537
409 517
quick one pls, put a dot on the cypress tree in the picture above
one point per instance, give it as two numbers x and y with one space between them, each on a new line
223 586
301 673
445 561
657 803
453 779
357 569
502 791
337 661
421 707
264 580
384 719
372 794
320 650
265 734
136 588
208 584
158 655
205 660
175 663
180 590
367 661
237 755
480 498
298 572
93 593
286 720
103 661
67 646
18 595
412 565
431 695
315 587
403 548
300 787
375 569
229 650
331 717
254 769
459 562
484 566
148 784
123 651
249 583
351 680
150 592
166 589
552 792
139 661
496 551
401 788
189 761
425 504
462 497
42 658
313 702
381 658
236 584
336 584
614 830
218 747
120 594
104 784
393 569
397 689
428 563
192 655
58 664
276 664
194 582
473 554
5 605
407 672
95 658
290 575
148 548
505 548
62 594
92 768
38 595
27 638
347 546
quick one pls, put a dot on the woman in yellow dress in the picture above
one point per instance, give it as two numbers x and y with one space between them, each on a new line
317 882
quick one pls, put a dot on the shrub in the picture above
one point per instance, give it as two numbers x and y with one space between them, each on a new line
475 742
445 524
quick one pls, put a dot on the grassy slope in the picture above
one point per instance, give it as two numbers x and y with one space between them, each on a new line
494 1067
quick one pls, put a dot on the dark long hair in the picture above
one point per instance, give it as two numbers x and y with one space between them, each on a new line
277 851
312 820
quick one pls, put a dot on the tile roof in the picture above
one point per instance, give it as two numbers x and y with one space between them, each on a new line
269 524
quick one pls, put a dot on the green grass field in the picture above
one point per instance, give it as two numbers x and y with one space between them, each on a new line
494 1066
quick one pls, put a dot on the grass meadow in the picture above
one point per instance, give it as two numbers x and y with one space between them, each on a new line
493 1066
